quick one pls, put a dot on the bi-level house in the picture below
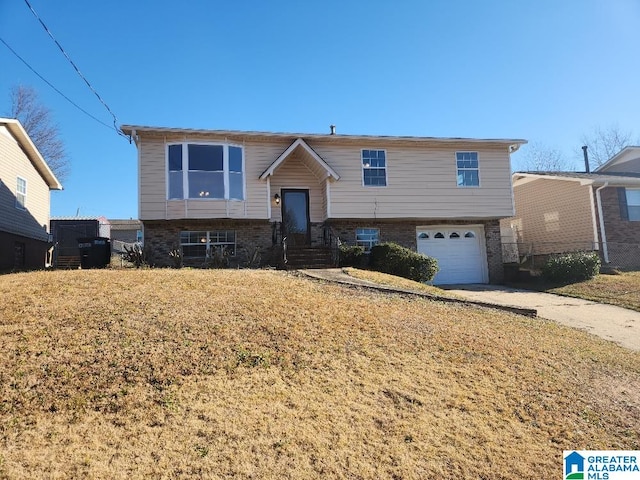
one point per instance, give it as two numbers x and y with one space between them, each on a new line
25 184
242 191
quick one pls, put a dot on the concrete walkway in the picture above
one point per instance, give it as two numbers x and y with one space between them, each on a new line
606 321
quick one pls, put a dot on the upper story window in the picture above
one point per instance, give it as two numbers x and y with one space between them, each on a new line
633 203
21 194
467 169
374 168
207 171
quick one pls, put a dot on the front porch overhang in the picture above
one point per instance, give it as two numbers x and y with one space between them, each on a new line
309 157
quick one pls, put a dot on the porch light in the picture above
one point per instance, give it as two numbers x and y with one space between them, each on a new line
276 198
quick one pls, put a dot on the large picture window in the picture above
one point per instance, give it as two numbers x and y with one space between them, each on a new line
467 169
633 203
374 168
203 244
205 171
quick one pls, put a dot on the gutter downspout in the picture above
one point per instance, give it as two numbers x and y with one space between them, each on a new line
603 235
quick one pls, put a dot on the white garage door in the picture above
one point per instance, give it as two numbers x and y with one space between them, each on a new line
460 251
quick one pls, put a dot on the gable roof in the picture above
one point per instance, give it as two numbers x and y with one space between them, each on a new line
20 135
309 155
619 156
599 178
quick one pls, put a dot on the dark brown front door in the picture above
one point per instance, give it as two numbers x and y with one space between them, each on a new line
295 216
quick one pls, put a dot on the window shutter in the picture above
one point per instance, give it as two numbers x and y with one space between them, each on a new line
622 200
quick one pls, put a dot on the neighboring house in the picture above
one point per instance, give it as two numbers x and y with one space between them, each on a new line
124 233
241 192
67 231
25 184
568 211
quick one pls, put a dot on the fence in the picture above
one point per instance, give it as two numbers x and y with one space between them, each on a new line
532 255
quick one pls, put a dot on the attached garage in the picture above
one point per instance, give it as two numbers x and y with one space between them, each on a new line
460 251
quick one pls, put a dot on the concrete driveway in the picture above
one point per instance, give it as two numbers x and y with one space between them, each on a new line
607 321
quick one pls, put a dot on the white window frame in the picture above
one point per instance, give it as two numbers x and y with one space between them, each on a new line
468 169
210 239
225 167
21 192
386 167
369 242
636 193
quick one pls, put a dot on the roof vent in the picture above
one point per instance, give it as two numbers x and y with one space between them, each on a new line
586 158
333 129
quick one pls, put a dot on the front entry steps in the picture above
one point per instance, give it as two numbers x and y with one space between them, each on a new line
308 257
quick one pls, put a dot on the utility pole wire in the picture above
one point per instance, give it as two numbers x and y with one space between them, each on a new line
115 120
52 86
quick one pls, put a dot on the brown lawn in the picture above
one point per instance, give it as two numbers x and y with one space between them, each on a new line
622 289
260 374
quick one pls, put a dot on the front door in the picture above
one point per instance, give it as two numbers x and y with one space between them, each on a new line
295 216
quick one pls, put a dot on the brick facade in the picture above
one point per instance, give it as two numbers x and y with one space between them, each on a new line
404 233
160 237
623 236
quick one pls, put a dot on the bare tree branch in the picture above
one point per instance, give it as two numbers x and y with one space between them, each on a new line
539 158
37 121
604 143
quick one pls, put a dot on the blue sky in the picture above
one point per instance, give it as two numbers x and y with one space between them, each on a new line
548 71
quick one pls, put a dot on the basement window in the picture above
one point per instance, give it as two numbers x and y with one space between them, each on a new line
204 244
367 238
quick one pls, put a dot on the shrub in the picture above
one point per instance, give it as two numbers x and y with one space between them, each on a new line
351 256
396 260
136 255
570 267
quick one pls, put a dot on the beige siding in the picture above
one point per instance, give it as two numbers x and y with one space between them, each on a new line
34 221
295 174
153 189
421 183
555 215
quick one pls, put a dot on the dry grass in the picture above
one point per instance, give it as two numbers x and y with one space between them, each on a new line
257 374
395 282
622 290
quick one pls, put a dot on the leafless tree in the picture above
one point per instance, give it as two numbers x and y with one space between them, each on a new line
38 122
604 143
538 157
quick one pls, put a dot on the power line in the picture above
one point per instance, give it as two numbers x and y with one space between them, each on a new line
115 120
52 86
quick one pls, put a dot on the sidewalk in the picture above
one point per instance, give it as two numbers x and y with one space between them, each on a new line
606 321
